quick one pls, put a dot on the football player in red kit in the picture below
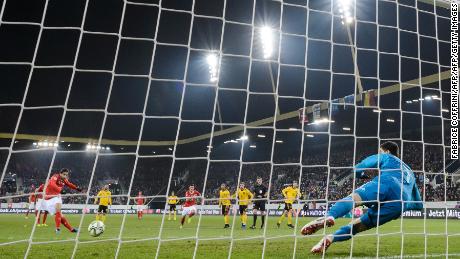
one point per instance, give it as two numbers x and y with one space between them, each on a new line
53 201
189 209
140 205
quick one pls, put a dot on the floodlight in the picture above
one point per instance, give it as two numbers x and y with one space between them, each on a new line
266 36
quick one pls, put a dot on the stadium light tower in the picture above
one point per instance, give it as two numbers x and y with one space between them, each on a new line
213 63
266 37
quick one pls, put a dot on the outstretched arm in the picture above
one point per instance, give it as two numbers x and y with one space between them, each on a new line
369 162
71 185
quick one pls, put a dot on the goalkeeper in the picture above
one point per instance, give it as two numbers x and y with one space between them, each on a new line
386 198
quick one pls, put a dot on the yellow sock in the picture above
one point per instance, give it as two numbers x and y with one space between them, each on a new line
226 219
97 216
103 218
174 215
289 218
245 218
281 218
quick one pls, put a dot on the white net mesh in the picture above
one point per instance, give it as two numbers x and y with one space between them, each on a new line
151 96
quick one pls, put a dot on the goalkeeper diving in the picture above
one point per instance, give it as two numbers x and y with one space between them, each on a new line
386 198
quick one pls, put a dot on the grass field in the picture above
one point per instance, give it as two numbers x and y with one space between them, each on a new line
280 243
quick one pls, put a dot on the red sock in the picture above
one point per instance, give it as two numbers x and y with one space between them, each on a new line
141 214
38 217
66 223
57 219
36 213
44 217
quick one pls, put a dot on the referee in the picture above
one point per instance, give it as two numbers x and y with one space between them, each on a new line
260 194
105 199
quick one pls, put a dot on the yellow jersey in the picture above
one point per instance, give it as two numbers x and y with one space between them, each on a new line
244 196
224 197
291 194
105 198
172 200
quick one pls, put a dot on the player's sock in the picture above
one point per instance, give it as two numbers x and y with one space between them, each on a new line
255 219
45 215
141 214
38 218
281 219
289 218
97 216
103 218
138 215
263 220
341 208
66 223
344 233
174 215
57 219
182 220
226 219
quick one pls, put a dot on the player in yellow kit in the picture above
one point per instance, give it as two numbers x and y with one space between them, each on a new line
172 202
290 193
105 199
244 198
224 203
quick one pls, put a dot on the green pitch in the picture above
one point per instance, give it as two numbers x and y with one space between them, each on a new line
280 243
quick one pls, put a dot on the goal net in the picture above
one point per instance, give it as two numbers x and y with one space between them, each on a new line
149 97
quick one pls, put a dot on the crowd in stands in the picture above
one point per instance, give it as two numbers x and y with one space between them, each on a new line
316 181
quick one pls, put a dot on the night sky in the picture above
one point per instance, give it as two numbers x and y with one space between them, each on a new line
90 90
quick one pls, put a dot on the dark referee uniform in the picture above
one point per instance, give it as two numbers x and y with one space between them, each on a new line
260 192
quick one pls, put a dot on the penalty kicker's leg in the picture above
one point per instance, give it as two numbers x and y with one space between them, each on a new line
59 218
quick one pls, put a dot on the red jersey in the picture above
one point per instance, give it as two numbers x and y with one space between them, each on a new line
140 200
190 198
55 186
32 198
39 192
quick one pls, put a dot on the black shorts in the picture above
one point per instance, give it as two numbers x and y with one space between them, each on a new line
225 209
172 207
243 209
102 208
288 206
259 205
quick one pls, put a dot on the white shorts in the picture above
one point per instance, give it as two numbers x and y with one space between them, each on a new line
40 205
31 206
188 210
50 205
140 208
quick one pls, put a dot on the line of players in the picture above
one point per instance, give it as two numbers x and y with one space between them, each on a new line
244 197
52 202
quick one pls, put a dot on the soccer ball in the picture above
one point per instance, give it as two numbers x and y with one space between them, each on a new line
96 228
